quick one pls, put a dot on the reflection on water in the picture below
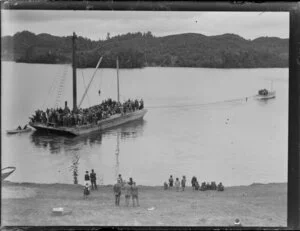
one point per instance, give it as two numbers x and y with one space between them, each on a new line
117 156
74 167
62 144
197 118
57 143
264 102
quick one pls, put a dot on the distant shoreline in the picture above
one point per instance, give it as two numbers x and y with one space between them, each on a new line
137 50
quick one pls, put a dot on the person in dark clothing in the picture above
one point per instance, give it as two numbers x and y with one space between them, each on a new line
121 180
183 183
130 181
67 109
117 192
171 180
220 187
194 179
93 179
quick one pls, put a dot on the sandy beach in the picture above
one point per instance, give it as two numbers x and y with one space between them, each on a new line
28 204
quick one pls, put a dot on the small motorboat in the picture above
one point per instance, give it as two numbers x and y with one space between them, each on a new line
5 172
264 94
15 131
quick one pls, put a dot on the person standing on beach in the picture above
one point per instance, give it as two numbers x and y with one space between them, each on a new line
194 179
127 189
183 183
177 184
121 180
117 192
130 181
93 179
171 182
87 179
135 194
86 191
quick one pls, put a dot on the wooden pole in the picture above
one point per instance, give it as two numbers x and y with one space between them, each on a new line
118 80
74 73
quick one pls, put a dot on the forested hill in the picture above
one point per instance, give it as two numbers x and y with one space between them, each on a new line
137 50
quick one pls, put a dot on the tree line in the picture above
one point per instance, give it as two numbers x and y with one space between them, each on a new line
137 50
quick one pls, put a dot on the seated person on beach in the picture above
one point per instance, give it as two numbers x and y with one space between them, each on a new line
213 185
208 186
117 192
165 185
203 186
197 186
177 184
220 187
86 191
135 194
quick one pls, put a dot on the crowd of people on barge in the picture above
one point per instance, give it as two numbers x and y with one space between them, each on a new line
65 117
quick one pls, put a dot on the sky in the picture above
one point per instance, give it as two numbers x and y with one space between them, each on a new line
96 24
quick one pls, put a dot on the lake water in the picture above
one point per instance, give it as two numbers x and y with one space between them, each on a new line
198 123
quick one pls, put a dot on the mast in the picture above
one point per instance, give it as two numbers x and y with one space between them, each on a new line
74 73
118 79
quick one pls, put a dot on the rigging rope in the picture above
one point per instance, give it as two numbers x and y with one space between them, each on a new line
53 85
85 87
61 87
84 94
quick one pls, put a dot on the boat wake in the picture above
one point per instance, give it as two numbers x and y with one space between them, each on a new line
235 101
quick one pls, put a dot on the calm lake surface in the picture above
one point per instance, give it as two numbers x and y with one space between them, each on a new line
198 123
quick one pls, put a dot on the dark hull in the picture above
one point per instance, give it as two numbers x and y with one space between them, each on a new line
113 121
5 172
18 131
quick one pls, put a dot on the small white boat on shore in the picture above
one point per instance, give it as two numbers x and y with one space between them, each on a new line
5 172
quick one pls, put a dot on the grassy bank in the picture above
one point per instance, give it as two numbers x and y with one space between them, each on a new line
255 205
